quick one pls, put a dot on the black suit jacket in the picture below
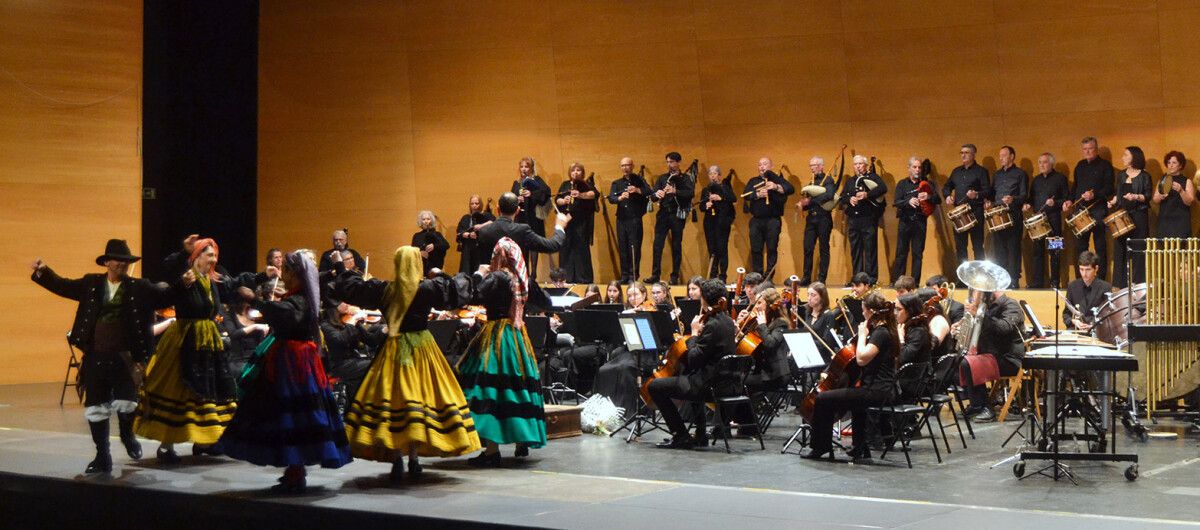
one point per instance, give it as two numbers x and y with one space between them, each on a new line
714 342
526 238
141 298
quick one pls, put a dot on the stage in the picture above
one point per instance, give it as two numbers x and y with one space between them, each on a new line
586 482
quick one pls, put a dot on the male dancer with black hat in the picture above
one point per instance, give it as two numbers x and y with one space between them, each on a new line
113 330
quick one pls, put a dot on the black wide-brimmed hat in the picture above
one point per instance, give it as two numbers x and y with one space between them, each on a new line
116 249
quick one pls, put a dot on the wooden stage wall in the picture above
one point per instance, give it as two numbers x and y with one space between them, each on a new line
70 167
371 111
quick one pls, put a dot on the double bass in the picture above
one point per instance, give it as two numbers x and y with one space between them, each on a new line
843 372
670 365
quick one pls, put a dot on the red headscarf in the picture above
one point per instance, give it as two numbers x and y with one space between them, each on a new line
198 248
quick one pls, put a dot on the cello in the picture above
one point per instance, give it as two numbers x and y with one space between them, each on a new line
670 365
842 372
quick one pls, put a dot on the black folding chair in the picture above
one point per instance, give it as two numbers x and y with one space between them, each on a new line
72 363
901 415
945 382
728 390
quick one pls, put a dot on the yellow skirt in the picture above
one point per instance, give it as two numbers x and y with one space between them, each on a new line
168 411
410 396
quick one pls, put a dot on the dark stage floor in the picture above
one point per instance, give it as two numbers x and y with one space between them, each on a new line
598 482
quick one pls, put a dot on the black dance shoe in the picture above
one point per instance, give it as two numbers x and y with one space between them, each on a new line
485 460
819 454
167 456
680 441
101 464
415 469
522 451
397 473
289 487
210 450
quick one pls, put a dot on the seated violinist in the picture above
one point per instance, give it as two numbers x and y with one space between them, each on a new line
772 358
351 342
916 345
875 356
617 379
712 339
693 287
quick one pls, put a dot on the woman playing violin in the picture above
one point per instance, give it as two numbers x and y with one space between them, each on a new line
617 379
772 366
875 355
916 343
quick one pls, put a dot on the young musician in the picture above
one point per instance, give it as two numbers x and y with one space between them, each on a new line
1046 194
863 212
712 339
916 344
717 199
1133 196
818 223
431 243
1092 188
467 236
617 378
1085 294
939 326
968 184
533 196
1009 187
673 191
612 294
772 358
768 193
578 197
1175 208
875 354
820 317
631 194
1001 350
410 403
956 309
112 328
910 203
287 416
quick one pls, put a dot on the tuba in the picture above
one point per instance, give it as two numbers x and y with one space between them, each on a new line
982 276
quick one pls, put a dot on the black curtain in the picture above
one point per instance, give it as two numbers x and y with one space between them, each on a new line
200 132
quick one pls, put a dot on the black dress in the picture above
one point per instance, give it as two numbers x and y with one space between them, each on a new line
576 253
1140 213
1174 217
472 258
437 256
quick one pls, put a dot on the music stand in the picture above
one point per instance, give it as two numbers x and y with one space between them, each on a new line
688 310
803 350
640 336
616 308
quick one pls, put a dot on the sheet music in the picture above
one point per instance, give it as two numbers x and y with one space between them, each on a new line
804 350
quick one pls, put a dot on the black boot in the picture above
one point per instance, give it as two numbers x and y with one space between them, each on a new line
103 461
132 446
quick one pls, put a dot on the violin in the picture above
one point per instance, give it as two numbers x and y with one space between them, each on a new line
676 355
372 316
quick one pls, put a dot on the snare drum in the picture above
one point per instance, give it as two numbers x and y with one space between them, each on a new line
1081 222
1037 227
998 218
1119 223
962 217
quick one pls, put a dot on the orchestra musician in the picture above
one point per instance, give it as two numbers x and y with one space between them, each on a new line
612 294
904 285
911 206
693 287
274 263
938 324
617 379
875 353
717 199
771 370
1175 207
341 243
506 225
818 223
711 340
1047 193
577 196
956 309
1133 196
968 184
863 212
819 315
673 191
768 193
916 345
1092 188
431 243
350 344
631 194
1001 350
467 236
1085 294
1009 187
533 196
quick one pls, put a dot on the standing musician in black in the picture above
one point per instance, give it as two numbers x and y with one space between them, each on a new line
1093 187
864 208
631 194
911 206
710 341
468 238
430 242
1010 185
673 191
968 184
768 193
533 196
1046 194
578 197
818 224
876 351
717 199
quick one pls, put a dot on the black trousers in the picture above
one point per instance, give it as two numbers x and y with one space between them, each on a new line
673 225
1007 243
864 246
817 229
831 404
716 236
976 235
1097 241
1037 258
1141 228
629 246
664 390
910 238
575 257
531 258
105 377
764 231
